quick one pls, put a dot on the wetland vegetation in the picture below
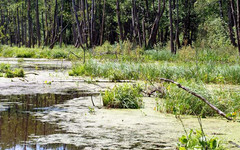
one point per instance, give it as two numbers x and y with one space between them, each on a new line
114 55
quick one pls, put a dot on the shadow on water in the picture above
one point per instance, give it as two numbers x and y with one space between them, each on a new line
18 125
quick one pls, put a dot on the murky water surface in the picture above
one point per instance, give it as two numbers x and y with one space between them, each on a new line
18 125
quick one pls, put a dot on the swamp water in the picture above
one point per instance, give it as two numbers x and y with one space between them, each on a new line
18 125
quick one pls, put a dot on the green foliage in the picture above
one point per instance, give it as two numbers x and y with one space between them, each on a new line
19 73
123 96
197 140
4 67
213 34
6 70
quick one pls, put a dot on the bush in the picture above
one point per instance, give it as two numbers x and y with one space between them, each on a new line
123 96
19 73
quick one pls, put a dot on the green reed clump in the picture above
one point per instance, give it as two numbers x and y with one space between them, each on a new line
123 96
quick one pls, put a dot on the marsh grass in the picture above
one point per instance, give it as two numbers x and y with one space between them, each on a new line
179 101
128 52
123 96
23 52
207 73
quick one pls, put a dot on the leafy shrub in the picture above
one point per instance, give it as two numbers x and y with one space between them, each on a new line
123 96
19 73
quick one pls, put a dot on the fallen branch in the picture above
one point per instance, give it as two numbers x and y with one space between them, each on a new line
235 144
74 54
31 73
198 96
97 81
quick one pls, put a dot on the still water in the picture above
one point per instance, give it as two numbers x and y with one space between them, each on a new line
18 125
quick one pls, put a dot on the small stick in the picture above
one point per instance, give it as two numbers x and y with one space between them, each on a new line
31 73
92 100
198 96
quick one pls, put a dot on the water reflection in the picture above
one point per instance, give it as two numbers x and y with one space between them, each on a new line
17 125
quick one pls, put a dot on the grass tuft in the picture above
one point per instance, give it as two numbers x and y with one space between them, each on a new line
123 96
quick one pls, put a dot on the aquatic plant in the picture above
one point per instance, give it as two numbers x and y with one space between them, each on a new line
123 96
198 139
6 71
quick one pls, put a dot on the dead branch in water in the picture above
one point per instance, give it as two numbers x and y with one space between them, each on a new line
31 73
235 144
198 96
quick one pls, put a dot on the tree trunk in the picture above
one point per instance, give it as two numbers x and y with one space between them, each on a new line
92 23
119 21
103 22
55 19
61 24
78 27
236 22
171 28
29 24
177 42
38 25
230 25
155 26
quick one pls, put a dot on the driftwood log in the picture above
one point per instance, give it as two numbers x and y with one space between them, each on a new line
198 96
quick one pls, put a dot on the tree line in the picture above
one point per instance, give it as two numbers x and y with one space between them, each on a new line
89 23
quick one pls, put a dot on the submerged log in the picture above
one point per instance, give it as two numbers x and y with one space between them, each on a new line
198 96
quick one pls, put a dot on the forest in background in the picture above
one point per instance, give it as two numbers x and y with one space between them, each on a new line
147 23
